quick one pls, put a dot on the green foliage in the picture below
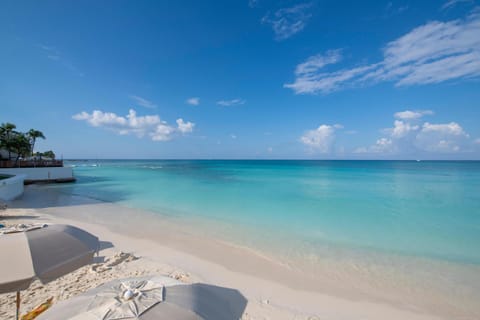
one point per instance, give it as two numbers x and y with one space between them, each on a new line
49 154
20 143
7 131
33 135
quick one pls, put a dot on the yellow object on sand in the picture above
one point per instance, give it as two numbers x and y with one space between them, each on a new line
38 310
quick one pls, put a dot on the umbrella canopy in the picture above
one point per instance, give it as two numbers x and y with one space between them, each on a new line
43 252
151 298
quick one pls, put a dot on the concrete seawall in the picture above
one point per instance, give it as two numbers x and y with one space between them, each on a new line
12 187
43 174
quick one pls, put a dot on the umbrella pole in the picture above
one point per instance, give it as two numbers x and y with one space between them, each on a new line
17 314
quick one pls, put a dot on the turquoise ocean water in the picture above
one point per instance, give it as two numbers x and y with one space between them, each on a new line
407 208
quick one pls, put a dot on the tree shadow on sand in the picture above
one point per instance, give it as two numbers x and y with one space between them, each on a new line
8 217
65 195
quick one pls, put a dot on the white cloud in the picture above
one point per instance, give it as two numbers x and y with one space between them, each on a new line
411 115
452 3
286 22
409 137
162 132
477 141
99 118
383 145
140 126
143 102
194 101
233 102
445 138
140 123
402 129
233 136
432 53
361 150
316 62
316 81
320 139
451 128
185 127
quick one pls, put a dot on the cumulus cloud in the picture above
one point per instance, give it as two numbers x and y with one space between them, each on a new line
401 129
194 101
162 132
143 102
99 118
287 22
411 115
432 53
452 128
233 102
448 137
383 145
407 135
185 127
151 125
320 139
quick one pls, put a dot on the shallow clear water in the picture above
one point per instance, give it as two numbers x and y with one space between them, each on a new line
409 208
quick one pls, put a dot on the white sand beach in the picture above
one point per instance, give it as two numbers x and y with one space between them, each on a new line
277 160
273 290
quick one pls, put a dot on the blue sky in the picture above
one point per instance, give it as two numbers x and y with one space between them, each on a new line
244 79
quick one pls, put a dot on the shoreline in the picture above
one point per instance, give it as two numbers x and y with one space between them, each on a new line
273 289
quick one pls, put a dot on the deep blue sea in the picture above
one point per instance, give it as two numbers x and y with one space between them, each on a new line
408 208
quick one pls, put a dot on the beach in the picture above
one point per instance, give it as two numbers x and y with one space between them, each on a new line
314 160
273 289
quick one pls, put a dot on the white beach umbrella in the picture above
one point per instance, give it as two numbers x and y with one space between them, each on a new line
151 298
43 252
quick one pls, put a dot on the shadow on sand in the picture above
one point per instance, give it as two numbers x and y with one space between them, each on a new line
7 217
105 245
39 196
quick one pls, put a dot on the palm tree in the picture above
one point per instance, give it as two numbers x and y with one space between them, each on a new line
6 130
20 145
33 135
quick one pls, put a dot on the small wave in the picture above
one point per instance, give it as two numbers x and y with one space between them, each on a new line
152 167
